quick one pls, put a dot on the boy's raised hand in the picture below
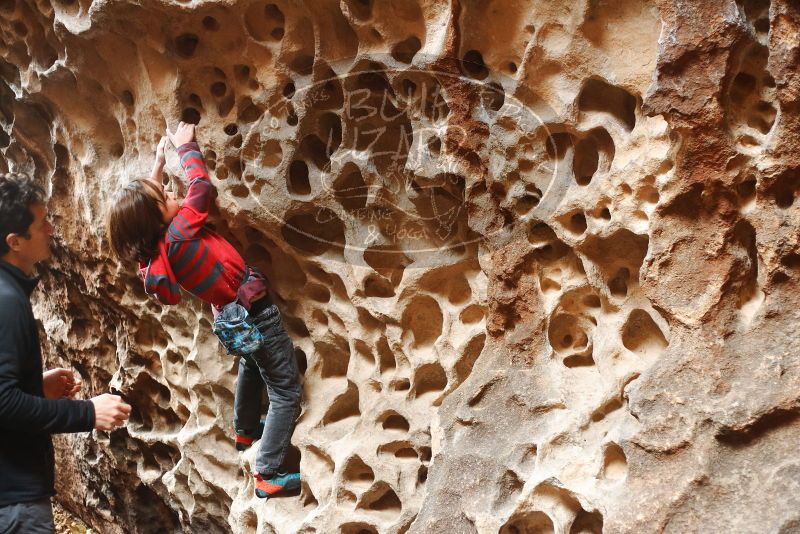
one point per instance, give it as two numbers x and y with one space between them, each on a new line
160 149
183 134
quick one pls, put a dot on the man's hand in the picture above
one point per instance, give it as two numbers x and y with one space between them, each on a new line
60 383
184 133
110 412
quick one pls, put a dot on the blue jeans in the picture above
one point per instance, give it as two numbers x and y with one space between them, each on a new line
273 366
27 518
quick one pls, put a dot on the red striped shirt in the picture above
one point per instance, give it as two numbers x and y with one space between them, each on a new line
191 255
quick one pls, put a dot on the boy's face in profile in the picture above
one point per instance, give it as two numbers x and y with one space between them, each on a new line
170 206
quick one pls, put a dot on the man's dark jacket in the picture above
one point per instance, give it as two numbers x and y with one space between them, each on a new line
26 418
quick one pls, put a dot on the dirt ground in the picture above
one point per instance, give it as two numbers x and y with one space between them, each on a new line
66 523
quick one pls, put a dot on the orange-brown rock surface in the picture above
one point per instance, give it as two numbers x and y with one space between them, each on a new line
539 259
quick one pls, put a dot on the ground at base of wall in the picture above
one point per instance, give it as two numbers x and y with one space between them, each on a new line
66 523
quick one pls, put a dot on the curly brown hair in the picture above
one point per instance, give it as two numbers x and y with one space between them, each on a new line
134 222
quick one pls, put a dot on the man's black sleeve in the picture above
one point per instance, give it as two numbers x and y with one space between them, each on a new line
25 412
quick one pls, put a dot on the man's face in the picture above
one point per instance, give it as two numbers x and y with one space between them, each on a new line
37 247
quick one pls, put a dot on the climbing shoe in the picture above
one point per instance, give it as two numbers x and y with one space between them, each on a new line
245 439
267 487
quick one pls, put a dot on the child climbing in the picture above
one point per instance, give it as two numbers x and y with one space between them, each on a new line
175 249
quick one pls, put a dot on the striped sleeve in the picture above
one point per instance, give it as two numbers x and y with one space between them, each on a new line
161 287
198 197
194 209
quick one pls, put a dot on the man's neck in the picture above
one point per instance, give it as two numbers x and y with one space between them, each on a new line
20 264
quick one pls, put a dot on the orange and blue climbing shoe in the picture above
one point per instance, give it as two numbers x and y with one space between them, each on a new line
244 439
266 488
243 442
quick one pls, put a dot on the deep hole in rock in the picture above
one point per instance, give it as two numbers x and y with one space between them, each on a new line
566 334
578 360
405 50
784 188
429 378
350 190
577 223
528 523
642 335
423 319
558 144
792 260
186 45
600 96
387 360
242 72
401 384
302 361
315 233
210 23
226 104
357 472
422 474
218 89
618 286
615 464
474 66
470 354
264 21
345 406
587 523
249 112
190 115
313 148
376 286
387 262
406 453
357 528
302 64
394 421
298 182
334 358
127 98
586 161
388 501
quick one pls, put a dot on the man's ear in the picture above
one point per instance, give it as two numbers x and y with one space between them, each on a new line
12 240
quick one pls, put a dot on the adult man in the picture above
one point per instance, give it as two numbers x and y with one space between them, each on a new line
33 405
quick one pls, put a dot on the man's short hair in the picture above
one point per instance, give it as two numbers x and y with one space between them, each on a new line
18 192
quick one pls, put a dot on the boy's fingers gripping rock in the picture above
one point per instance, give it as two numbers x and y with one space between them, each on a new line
183 134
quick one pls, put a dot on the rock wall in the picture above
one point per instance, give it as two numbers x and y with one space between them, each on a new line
540 260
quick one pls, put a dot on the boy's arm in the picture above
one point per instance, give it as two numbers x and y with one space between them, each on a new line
194 209
23 412
158 165
198 197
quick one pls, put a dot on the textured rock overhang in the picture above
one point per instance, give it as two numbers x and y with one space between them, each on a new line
539 259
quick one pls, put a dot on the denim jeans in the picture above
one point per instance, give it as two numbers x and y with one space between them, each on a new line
27 518
273 366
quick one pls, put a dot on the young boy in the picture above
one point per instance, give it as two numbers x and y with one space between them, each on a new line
176 250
